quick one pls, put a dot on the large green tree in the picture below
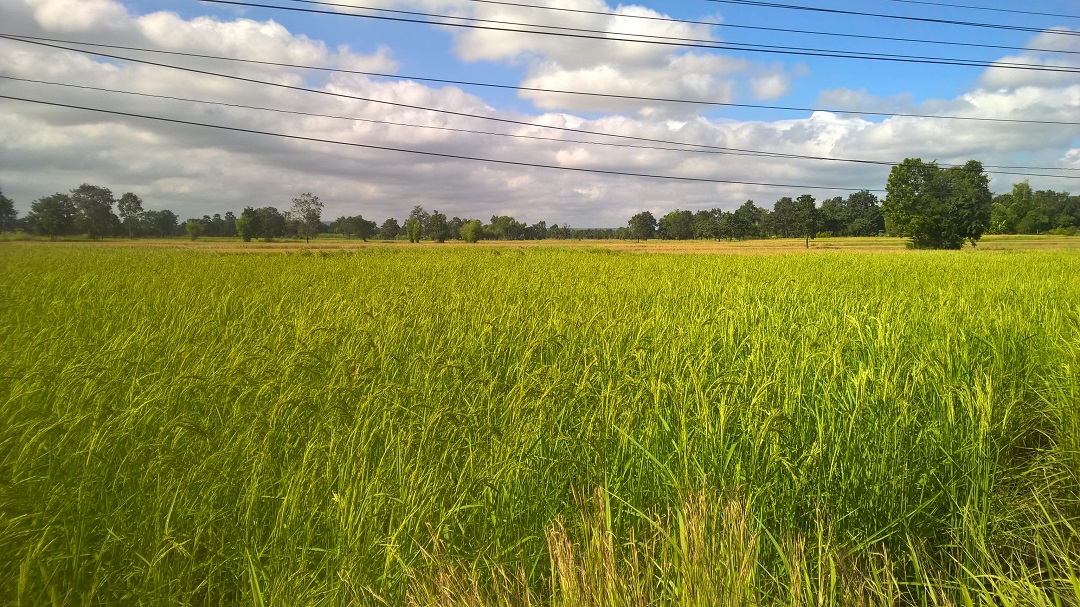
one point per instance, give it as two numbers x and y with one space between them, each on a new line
131 214
161 223
472 230
53 215
805 217
938 208
8 216
746 221
415 224
676 225
94 205
307 210
271 223
862 215
438 228
642 226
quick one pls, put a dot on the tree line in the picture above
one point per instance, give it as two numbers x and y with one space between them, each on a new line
932 206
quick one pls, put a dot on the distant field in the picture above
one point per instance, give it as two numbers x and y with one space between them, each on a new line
572 424
772 245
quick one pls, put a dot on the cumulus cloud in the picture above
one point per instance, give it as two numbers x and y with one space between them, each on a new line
196 170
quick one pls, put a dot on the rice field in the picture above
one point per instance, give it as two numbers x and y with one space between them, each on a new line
563 426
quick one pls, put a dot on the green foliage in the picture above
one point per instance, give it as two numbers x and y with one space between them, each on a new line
437 228
504 227
676 225
270 223
416 223
243 227
355 226
94 216
131 214
189 428
307 210
194 229
53 215
389 229
161 223
642 226
8 216
472 231
1023 211
938 208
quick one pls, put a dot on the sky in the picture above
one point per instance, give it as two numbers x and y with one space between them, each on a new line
352 139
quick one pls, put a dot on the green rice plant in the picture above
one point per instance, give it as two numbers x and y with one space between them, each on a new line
182 426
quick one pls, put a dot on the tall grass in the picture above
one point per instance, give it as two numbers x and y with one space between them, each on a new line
538 426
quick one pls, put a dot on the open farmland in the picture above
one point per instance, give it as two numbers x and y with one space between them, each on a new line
582 426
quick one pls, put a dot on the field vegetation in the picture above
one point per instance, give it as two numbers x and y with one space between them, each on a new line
485 425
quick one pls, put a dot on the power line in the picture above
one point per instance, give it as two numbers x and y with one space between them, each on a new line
429 153
731 151
739 26
367 99
836 11
530 89
987 8
587 34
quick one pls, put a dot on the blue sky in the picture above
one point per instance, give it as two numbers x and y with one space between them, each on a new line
219 171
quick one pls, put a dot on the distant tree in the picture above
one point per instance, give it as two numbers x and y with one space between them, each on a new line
472 230
938 208
131 214
438 228
505 227
389 229
8 216
271 223
537 231
725 225
248 225
746 221
806 217
307 210
416 223
782 218
160 223
455 224
833 217
642 226
243 228
228 228
559 232
354 226
676 225
862 215
706 225
94 205
53 215
413 229
194 228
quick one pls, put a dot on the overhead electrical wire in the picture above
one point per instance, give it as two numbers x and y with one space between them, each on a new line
432 154
728 151
367 99
587 34
530 89
836 11
729 25
986 8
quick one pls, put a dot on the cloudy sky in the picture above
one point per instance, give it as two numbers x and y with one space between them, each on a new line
349 137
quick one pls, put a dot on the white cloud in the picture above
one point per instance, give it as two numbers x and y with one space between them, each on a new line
67 16
196 171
